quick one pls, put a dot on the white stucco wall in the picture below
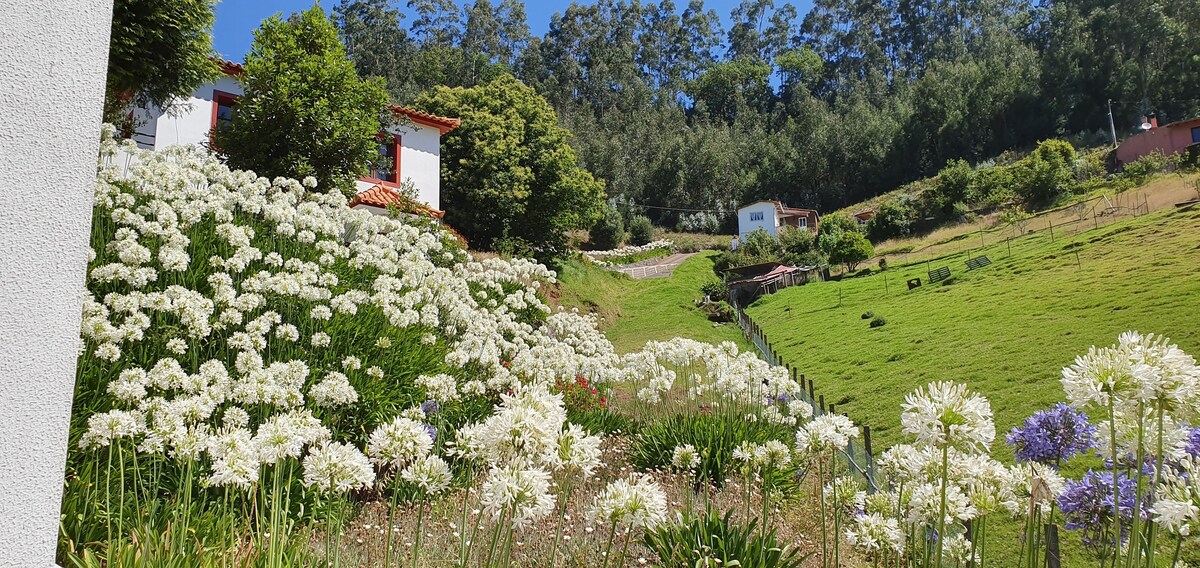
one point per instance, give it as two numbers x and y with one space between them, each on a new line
56 55
190 121
769 222
420 161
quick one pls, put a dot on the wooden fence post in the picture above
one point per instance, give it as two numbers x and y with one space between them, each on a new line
831 410
811 388
822 404
867 442
1051 229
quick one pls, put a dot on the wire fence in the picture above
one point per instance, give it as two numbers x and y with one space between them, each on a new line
1060 222
858 455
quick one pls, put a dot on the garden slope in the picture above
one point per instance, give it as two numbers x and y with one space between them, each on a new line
1005 330
637 311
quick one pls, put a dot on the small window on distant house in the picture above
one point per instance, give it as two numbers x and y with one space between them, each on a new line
388 168
1196 135
756 216
803 223
223 104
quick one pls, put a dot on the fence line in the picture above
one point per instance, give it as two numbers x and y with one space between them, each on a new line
858 456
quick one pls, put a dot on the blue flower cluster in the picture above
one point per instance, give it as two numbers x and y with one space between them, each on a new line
1087 505
1053 436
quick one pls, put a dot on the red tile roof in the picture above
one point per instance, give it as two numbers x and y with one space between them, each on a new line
228 67
442 123
382 196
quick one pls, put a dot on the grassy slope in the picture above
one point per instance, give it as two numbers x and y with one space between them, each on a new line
637 311
1005 330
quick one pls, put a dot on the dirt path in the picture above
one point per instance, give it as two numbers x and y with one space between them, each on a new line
660 267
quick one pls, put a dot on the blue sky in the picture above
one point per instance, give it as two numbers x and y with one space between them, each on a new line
237 19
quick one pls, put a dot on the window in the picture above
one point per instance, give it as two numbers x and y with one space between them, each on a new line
756 216
388 168
1196 135
223 104
802 223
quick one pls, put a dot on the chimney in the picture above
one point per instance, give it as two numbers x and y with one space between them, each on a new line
1154 121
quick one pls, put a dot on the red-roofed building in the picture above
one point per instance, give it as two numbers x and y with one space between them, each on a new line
771 215
412 149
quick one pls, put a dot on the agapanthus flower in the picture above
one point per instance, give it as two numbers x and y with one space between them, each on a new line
431 474
333 390
523 494
946 413
685 458
106 427
1177 498
320 339
337 468
1053 436
825 433
399 442
874 534
634 502
578 451
1087 504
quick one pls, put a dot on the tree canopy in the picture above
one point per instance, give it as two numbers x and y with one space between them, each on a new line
157 52
819 110
510 180
305 111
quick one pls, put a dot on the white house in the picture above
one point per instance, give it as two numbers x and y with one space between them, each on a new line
770 215
412 149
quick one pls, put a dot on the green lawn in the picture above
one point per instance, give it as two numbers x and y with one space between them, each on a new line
1006 330
637 311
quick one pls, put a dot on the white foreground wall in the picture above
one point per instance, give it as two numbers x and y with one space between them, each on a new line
55 53
420 161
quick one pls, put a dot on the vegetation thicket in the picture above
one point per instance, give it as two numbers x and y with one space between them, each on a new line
305 111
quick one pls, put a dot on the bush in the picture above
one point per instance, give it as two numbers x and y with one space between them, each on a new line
608 232
1141 169
849 249
716 435
641 231
1046 173
699 540
761 244
893 218
714 290
879 321
699 222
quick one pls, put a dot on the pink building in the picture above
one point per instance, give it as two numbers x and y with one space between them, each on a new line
1170 139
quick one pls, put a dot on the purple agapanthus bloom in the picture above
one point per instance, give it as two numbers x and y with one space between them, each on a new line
430 407
432 432
1193 443
1087 505
1053 436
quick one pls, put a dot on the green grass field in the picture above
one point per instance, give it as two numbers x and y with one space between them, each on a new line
1006 330
637 311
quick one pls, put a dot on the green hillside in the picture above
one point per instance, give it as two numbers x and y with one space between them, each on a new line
637 311
1005 330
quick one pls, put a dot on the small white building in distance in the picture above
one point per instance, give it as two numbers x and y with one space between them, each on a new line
412 150
770 216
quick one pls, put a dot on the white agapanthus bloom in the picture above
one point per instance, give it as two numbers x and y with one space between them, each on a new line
1177 499
337 468
521 494
634 502
351 363
874 534
320 339
333 390
399 442
577 451
825 433
946 413
685 458
441 387
431 474
106 427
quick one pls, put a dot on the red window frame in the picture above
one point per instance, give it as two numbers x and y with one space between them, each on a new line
396 149
219 97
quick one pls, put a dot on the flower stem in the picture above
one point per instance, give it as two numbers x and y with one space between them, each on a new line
942 515
612 531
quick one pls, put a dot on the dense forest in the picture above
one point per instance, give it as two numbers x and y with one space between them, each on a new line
678 113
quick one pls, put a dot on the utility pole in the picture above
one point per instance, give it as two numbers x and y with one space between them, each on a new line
1112 128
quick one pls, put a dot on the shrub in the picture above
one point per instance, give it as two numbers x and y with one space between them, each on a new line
1046 173
699 540
761 244
879 321
714 290
720 312
699 222
893 218
1141 169
608 232
991 187
849 248
641 231
717 435
883 265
